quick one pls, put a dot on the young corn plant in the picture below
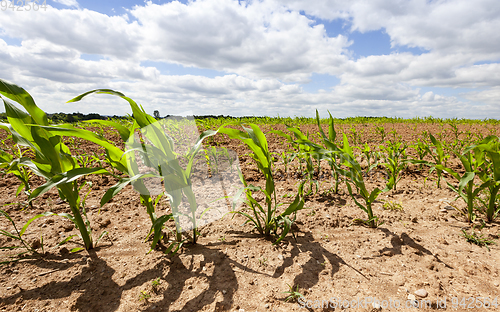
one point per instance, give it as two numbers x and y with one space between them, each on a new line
370 156
304 154
266 218
421 149
157 152
293 294
17 235
354 175
53 160
350 169
12 165
395 162
439 156
333 157
472 159
287 158
490 174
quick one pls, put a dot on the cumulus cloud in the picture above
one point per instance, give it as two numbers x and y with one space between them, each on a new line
265 51
260 39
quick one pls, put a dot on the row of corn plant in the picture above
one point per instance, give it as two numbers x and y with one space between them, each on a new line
52 158
149 145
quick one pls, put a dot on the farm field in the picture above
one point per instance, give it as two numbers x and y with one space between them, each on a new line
412 247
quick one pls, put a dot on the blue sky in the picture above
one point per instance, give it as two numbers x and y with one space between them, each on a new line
402 58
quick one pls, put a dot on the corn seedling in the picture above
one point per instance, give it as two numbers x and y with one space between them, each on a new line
396 162
18 236
382 133
305 154
144 295
287 158
155 284
353 173
266 219
490 174
472 159
12 165
369 156
293 294
439 156
421 149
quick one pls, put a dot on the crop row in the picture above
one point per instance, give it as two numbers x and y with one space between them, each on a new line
161 160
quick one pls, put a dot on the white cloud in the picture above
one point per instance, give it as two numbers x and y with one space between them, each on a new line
70 3
265 50
258 40
83 30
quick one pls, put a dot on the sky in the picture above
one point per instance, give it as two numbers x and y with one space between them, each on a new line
395 58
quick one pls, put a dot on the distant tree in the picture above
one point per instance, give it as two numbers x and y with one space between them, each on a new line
156 114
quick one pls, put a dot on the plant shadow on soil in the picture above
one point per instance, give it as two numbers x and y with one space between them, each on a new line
99 292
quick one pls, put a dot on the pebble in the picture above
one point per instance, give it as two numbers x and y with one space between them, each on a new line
328 216
422 293
376 306
266 306
224 291
280 257
496 284
241 310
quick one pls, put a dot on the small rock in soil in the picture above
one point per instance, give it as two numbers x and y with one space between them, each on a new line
421 293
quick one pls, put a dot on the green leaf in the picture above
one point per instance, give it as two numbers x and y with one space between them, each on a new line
64 178
115 189
466 178
22 97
